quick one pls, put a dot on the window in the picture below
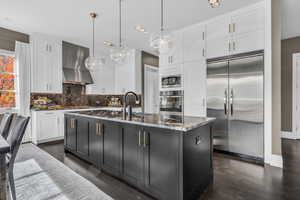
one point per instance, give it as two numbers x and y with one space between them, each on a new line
8 80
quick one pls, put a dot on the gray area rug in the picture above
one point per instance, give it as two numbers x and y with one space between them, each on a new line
39 176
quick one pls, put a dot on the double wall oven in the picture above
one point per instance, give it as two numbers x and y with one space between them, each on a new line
171 95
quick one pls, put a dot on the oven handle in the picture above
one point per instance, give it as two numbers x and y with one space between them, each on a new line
171 96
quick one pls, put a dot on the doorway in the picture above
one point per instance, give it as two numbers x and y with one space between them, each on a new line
296 97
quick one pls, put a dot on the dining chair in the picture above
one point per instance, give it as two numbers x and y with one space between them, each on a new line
14 139
5 124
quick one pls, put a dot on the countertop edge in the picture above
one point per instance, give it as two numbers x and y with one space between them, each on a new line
209 120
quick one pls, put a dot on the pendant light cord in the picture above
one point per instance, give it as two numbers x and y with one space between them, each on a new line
93 36
161 15
120 24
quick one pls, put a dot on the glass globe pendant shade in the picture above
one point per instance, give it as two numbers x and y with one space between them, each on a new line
94 62
163 42
119 54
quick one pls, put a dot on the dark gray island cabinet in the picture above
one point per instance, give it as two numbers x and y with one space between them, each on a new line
164 161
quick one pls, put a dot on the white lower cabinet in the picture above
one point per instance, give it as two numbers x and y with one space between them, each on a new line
47 126
195 89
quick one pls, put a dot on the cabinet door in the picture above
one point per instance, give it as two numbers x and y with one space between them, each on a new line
61 121
164 60
248 21
125 76
132 154
104 81
194 43
47 125
54 66
217 37
95 141
161 163
195 88
176 53
111 161
248 30
39 71
247 42
83 136
70 133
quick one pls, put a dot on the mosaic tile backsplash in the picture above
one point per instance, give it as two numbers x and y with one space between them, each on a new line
75 95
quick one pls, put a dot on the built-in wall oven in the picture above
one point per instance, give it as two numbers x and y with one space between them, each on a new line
171 102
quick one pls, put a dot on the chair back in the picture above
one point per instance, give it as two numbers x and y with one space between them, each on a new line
5 124
15 136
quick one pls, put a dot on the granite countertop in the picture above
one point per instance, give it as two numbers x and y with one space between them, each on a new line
178 123
70 108
63 108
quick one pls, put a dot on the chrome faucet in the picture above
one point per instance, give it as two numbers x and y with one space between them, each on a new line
125 105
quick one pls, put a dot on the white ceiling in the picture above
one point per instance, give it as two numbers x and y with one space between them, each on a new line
69 19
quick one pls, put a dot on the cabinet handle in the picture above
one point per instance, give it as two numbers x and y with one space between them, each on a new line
100 129
229 47
145 139
203 36
233 27
229 28
233 46
97 128
139 138
203 52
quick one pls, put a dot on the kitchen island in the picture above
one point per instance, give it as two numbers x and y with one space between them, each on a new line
167 158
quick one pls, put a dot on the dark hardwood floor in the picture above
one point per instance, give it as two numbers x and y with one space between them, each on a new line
233 180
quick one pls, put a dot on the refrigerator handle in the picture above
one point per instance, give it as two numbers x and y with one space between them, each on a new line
225 101
231 102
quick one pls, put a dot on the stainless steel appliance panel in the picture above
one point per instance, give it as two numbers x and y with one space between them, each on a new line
246 106
174 81
217 101
171 102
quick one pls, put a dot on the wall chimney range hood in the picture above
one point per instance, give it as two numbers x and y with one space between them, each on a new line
74 69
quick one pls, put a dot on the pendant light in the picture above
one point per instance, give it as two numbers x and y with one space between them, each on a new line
163 40
93 62
214 3
119 53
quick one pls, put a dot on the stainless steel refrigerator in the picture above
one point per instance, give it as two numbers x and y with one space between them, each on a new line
235 97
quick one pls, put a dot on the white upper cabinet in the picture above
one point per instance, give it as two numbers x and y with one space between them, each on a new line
46 71
175 56
217 37
247 21
194 43
195 88
128 75
248 30
237 32
104 80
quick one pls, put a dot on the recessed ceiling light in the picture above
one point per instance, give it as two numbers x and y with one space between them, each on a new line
108 43
140 28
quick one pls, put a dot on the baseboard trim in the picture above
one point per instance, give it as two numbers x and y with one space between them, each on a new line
47 140
276 161
289 135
